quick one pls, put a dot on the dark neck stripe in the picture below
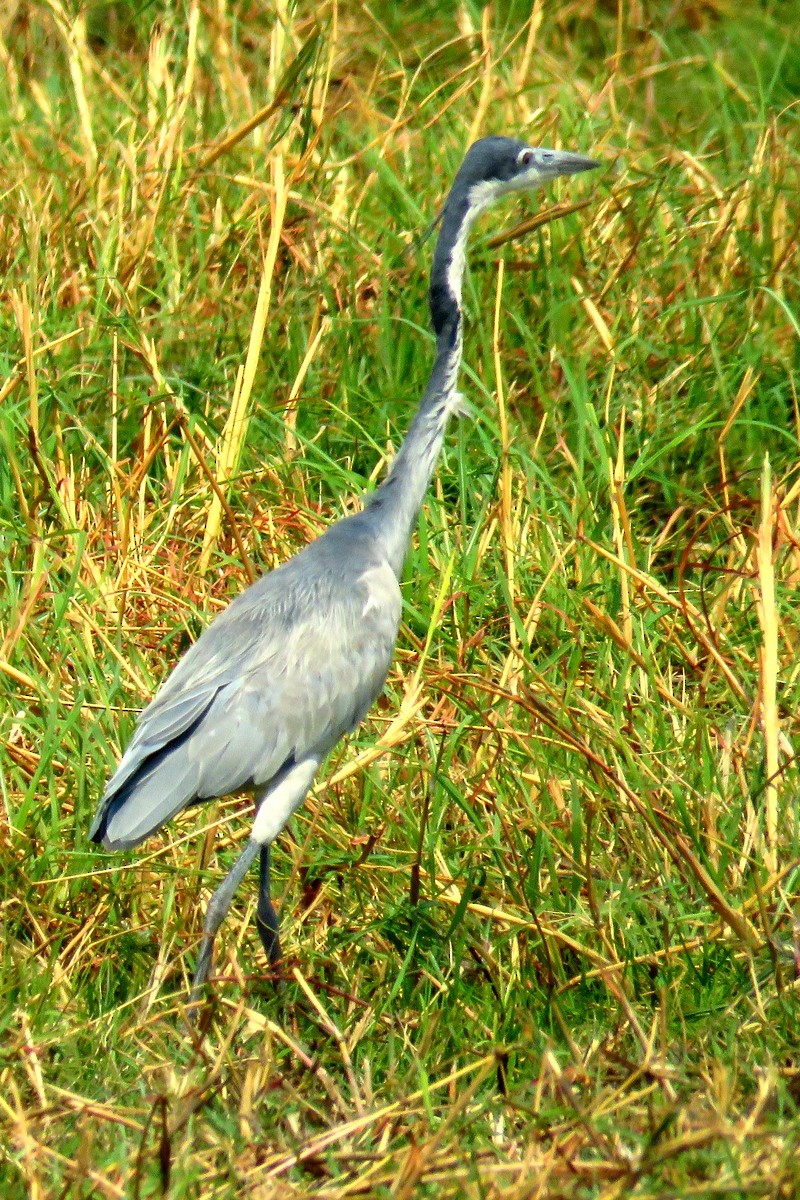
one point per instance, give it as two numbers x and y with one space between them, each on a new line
445 307
393 508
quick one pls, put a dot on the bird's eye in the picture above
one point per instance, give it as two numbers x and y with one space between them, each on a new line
526 158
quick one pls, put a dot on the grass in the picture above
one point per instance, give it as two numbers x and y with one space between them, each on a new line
541 912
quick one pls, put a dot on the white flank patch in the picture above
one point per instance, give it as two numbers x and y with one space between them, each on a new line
279 804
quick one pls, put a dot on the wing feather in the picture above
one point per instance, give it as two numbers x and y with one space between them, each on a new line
281 674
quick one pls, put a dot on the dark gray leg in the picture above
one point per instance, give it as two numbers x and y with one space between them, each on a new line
266 917
216 912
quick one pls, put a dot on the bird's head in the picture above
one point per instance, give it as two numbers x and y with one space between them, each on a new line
495 166
492 167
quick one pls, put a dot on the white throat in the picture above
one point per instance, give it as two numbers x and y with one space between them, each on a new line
482 196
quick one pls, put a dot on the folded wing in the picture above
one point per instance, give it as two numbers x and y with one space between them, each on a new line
281 674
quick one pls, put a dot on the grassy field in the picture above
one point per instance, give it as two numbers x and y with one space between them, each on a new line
542 913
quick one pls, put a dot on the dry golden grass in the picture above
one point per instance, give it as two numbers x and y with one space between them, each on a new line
541 914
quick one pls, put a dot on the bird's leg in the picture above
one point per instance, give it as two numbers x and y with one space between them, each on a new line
275 803
266 917
216 912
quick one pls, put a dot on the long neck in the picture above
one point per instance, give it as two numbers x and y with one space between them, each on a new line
395 505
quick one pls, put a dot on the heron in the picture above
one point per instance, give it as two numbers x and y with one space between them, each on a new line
297 659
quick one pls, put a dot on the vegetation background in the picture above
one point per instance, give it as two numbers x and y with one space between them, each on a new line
541 913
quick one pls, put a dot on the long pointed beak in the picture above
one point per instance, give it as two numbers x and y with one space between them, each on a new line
562 162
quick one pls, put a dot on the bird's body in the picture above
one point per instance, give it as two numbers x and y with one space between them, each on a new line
296 660
267 686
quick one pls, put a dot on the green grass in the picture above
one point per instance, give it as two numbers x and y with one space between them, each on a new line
541 929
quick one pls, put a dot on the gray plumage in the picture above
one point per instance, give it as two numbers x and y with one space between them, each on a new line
298 658
267 685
